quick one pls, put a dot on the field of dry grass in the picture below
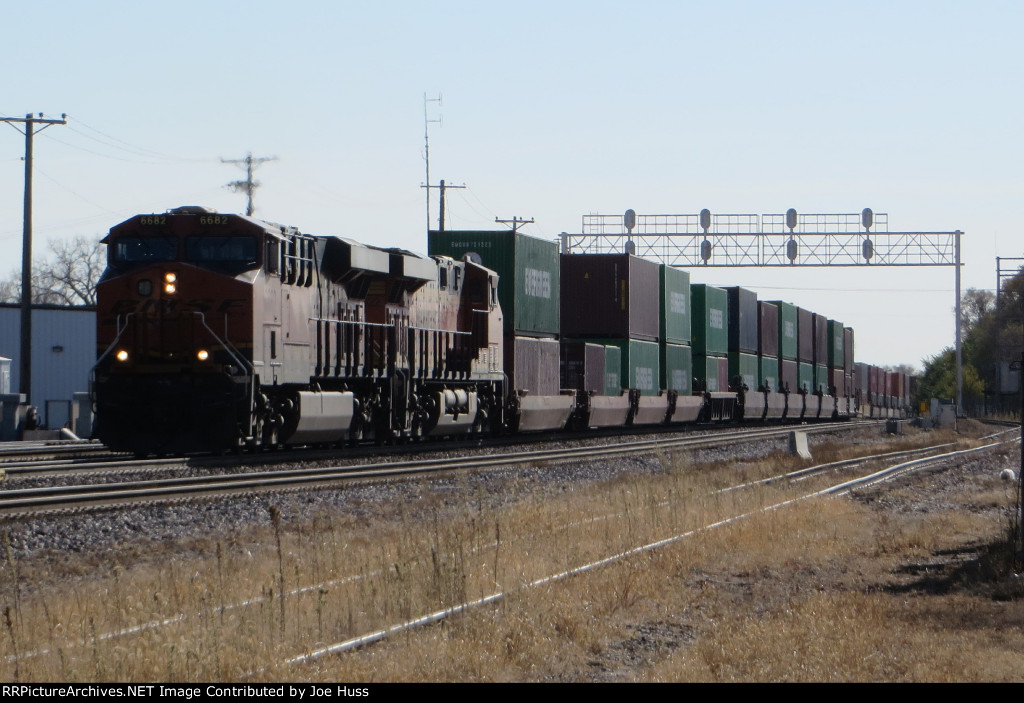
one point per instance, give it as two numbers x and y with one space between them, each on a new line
905 583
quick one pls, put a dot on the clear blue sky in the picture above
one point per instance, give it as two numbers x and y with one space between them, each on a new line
550 110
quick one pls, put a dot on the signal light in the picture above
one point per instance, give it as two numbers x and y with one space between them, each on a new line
202 355
122 355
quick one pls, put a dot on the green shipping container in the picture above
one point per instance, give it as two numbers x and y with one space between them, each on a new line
805 377
745 366
836 351
640 366
787 330
711 373
612 371
675 305
709 328
677 368
821 380
528 269
769 376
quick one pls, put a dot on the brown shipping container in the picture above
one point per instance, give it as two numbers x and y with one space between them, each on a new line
549 372
848 350
583 366
532 365
610 295
838 382
821 340
788 375
805 335
874 382
768 329
860 380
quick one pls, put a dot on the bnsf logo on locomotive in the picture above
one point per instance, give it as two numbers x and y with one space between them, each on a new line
172 307
537 283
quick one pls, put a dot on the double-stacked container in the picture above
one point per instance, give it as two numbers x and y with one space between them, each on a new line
528 291
744 326
614 300
709 311
805 350
836 359
788 346
675 353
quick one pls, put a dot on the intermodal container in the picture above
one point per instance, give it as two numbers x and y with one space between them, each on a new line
743 371
860 381
805 377
837 349
640 363
805 336
821 341
768 329
821 378
711 373
612 371
582 366
848 350
677 368
675 305
789 377
837 381
836 346
709 309
532 364
743 320
768 376
610 295
528 270
788 327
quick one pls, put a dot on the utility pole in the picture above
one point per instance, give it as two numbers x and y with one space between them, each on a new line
515 222
248 186
32 126
440 217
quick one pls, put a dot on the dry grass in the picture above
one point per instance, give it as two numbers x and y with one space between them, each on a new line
823 590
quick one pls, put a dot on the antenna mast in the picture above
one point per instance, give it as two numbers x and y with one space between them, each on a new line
426 145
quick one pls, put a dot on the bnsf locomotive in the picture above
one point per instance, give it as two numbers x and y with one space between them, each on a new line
221 331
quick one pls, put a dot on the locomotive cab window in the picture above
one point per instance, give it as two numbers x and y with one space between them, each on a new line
228 254
442 277
128 252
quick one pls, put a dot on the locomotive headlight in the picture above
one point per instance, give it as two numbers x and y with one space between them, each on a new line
202 355
170 282
122 355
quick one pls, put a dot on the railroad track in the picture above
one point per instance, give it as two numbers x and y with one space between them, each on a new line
890 470
45 499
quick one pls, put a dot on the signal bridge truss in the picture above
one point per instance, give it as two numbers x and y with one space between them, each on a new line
764 240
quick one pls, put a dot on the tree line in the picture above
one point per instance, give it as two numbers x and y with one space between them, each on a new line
68 276
991 334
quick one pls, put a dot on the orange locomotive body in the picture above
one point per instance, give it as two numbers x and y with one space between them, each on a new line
222 331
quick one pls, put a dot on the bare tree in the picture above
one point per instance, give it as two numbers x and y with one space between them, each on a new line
68 277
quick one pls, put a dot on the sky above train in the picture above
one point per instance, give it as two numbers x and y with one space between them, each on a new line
549 111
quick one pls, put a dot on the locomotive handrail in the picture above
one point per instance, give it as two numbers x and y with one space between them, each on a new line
117 338
230 348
